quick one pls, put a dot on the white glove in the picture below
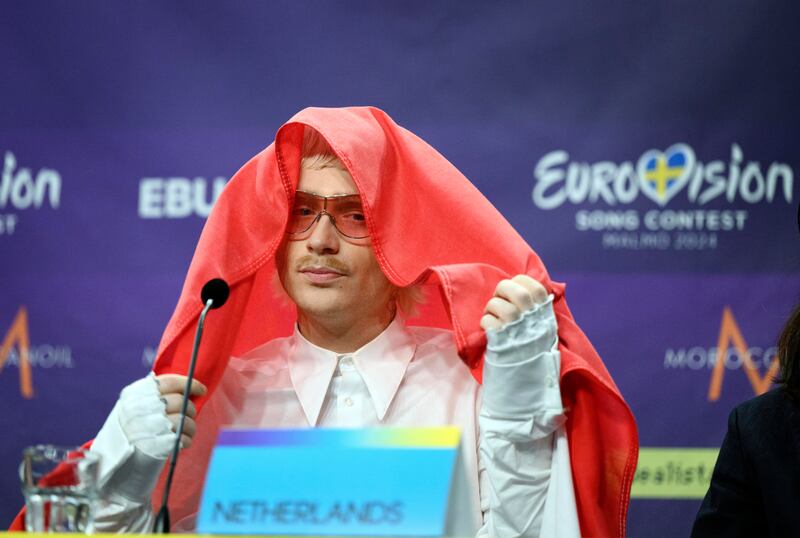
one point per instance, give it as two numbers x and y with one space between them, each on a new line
139 434
143 418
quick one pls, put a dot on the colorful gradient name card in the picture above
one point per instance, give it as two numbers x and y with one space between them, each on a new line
366 482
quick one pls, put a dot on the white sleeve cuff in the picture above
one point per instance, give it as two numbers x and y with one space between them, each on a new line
112 446
124 470
521 393
534 332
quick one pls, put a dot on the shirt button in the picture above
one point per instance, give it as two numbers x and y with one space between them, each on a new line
348 402
550 381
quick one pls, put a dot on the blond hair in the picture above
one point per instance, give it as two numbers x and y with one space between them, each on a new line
409 298
317 153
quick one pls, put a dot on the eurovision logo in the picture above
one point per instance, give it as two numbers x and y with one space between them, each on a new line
659 175
21 189
662 176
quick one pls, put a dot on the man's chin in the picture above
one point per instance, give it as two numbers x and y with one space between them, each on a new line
322 301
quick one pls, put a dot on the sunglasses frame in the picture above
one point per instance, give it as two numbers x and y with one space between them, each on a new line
324 211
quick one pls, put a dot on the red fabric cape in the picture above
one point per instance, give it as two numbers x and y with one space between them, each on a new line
429 226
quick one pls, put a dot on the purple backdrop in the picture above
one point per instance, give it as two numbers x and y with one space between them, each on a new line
646 153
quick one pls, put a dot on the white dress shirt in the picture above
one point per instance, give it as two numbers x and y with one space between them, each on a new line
515 448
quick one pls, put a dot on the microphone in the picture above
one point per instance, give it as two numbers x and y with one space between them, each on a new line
214 294
215 290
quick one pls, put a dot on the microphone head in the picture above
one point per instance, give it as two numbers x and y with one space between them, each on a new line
217 290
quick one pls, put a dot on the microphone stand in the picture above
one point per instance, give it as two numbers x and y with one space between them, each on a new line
162 524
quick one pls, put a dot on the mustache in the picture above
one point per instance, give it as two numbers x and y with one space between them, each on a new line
316 261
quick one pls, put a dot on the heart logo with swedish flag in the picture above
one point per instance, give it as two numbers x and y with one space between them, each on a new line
663 174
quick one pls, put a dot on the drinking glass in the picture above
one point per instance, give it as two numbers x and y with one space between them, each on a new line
60 488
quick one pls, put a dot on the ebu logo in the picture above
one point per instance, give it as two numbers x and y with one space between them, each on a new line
21 189
178 197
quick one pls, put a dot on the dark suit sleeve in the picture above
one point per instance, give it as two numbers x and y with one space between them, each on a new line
732 506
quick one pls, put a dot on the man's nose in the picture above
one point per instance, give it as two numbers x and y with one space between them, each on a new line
324 238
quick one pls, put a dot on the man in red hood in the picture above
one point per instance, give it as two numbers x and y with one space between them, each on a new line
397 270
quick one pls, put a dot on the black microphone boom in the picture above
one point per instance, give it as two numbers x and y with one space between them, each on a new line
214 294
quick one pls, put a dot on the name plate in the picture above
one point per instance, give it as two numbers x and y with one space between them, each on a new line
356 482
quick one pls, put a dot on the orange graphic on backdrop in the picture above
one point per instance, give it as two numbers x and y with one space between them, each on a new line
729 333
18 333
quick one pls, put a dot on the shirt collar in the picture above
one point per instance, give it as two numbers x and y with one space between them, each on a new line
382 364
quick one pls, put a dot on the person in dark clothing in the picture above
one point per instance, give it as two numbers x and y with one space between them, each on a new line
755 487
